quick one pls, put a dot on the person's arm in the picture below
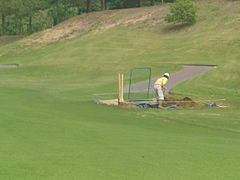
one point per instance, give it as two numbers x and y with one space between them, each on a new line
165 80
164 87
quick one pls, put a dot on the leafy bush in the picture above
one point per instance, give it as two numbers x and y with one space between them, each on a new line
182 11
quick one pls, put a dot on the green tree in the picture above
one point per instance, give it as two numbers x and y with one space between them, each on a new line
79 4
5 10
152 2
41 21
103 5
61 11
131 3
182 11
88 5
19 12
32 6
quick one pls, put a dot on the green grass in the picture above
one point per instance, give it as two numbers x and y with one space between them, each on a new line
6 40
48 138
51 129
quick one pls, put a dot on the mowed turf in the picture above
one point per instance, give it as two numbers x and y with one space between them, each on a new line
51 129
47 138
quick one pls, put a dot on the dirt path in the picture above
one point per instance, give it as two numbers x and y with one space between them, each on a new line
188 72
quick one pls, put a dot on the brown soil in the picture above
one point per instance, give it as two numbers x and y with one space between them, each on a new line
169 101
185 102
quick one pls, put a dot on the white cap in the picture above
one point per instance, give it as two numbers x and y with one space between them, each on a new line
166 74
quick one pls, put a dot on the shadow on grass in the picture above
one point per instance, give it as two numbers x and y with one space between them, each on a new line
176 27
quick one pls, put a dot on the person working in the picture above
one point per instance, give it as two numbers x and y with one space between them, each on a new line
159 88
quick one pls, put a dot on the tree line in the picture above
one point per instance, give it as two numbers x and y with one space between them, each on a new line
24 17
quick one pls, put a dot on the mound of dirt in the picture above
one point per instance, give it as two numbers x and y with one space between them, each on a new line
185 102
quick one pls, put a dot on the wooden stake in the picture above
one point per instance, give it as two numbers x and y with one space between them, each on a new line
122 100
120 89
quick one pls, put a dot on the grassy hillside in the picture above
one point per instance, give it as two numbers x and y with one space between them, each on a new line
139 36
6 40
50 128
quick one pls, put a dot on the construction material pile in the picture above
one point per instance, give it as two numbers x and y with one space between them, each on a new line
169 102
184 103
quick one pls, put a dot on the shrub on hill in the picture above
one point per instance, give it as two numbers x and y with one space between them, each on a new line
182 11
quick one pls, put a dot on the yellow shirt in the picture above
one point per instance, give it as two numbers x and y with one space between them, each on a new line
161 81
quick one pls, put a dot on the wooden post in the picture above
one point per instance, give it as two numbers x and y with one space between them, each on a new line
120 89
119 85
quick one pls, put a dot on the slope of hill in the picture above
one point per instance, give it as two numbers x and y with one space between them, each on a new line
5 40
96 22
141 36
219 16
